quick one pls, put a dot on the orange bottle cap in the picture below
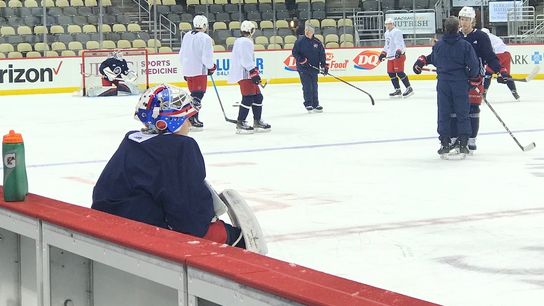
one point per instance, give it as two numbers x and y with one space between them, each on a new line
13 137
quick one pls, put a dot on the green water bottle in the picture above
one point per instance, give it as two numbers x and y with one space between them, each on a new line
15 179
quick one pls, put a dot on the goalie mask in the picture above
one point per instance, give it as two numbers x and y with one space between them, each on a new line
118 55
164 108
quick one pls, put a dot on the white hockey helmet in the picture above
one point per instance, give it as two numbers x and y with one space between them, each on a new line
467 11
200 22
247 26
389 21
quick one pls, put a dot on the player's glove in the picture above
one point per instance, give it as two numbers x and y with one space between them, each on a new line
475 82
254 75
212 70
325 69
398 53
420 62
382 56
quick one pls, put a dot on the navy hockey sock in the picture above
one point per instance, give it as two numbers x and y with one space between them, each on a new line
404 78
474 120
197 95
394 80
487 81
511 85
257 106
243 110
453 125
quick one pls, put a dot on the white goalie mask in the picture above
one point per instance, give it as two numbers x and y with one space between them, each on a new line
117 55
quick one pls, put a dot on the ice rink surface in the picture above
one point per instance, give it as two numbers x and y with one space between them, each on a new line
357 191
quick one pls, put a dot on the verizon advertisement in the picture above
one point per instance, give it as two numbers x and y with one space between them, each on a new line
64 74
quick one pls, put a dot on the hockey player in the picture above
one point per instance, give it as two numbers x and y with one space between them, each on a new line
484 51
196 57
116 77
393 51
157 175
500 49
457 67
309 53
244 72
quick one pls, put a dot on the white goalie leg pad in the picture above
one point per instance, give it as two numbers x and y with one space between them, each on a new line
218 205
101 91
243 217
128 88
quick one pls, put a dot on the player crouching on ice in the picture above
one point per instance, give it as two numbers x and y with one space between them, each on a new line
458 70
157 176
116 77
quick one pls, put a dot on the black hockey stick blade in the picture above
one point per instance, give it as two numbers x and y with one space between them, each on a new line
347 83
221 103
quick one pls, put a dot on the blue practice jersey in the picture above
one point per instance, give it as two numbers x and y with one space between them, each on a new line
159 180
116 65
484 50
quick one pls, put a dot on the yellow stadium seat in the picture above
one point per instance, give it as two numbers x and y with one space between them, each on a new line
15 3
24 30
290 39
139 43
259 47
274 39
134 27
75 46
33 54
119 28
274 47
267 24
89 28
288 46
30 3
92 45
58 46
41 47
67 53
332 44
124 44
234 25
219 48
2 4
219 26
106 28
7 31
56 29
108 44
47 3
185 26
261 40
62 3
39 30
2 55
165 50
91 3
24 47
6 48
15 54
74 29
347 44
51 54
152 43
76 3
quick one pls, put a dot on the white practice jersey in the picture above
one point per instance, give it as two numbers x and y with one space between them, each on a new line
196 54
242 59
393 42
498 45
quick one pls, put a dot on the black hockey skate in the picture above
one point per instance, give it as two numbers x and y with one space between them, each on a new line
260 126
472 144
196 124
318 109
454 151
243 128
310 109
409 91
515 94
396 94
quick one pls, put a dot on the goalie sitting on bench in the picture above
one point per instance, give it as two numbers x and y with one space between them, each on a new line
116 77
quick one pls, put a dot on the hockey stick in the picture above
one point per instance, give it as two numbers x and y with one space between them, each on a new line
529 77
523 148
347 83
221 103
428 69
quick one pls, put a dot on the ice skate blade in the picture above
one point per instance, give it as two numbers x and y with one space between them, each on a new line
408 95
196 129
260 130
244 132
453 156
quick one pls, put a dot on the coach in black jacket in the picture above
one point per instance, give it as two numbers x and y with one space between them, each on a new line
310 56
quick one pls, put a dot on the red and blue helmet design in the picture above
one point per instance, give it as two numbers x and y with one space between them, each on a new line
164 108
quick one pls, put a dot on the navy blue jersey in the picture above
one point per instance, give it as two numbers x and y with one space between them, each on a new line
158 180
116 65
484 50
454 58
311 49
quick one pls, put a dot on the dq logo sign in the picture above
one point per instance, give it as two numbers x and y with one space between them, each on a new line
367 60
290 63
